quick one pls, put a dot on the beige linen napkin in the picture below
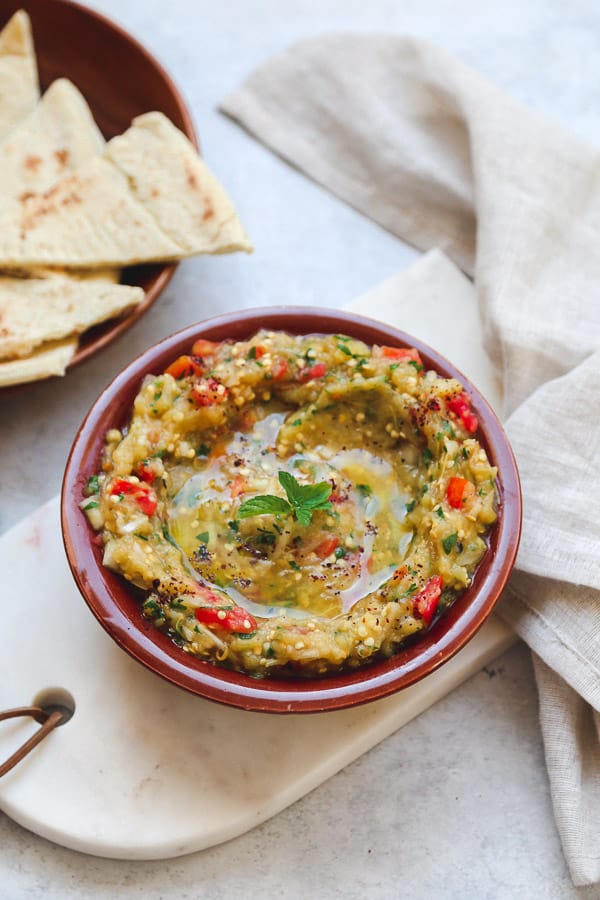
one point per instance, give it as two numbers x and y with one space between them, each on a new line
440 157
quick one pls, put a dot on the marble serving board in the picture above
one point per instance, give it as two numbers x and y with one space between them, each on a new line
144 770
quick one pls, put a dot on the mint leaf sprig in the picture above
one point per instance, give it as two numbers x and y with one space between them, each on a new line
302 500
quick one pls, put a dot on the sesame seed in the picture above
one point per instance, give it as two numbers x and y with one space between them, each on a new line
246 623
299 645
369 642
360 417
221 614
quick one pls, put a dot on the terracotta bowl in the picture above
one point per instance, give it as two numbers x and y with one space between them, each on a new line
118 610
120 80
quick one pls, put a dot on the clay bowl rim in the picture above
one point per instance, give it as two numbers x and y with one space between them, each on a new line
156 275
112 600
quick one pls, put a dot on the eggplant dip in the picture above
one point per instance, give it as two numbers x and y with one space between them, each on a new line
295 505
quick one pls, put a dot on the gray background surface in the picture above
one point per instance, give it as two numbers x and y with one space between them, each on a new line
456 804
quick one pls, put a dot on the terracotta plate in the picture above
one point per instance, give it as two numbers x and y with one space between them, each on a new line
120 80
118 610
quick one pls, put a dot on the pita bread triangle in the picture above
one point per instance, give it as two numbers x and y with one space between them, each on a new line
50 359
58 136
19 86
34 311
148 197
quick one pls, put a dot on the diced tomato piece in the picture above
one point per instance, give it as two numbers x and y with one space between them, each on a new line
184 366
121 486
259 351
279 369
407 354
337 498
426 601
209 392
459 492
231 619
143 494
202 347
309 374
147 502
327 546
460 405
145 472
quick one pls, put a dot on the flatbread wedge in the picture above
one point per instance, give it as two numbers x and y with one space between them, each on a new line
19 85
58 136
49 359
148 197
35 311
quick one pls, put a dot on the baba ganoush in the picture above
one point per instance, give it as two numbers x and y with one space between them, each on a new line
295 505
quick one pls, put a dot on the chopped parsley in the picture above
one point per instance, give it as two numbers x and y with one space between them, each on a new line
449 541
92 486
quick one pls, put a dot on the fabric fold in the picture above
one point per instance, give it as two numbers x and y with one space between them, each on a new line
433 152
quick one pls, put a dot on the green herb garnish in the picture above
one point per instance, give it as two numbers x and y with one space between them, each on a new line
93 504
92 486
449 541
302 500
203 538
294 565
427 456
365 489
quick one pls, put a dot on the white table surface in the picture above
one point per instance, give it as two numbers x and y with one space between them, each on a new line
457 803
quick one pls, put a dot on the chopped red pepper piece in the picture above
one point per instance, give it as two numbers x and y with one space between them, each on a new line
143 494
459 492
407 354
184 366
231 619
279 369
327 546
209 392
426 601
202 347
460 405
259 351
316 371
145 472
